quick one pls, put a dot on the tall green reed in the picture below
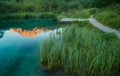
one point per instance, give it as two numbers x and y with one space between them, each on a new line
79 49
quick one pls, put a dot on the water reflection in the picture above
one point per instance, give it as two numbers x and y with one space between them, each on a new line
20 46
29 33
27 28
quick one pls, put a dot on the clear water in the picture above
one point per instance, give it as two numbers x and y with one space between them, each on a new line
19 46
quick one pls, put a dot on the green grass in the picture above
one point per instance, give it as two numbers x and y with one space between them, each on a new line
77 49
110 16
109 19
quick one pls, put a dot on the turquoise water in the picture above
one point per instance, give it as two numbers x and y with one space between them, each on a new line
19 46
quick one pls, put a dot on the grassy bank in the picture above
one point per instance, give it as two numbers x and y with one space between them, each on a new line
110 16
10 16
81 50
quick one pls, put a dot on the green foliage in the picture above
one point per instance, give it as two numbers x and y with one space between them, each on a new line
110 16
55 6
13 6
98 3
83 13
77 49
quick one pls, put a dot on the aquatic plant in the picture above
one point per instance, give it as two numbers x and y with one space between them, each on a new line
79 49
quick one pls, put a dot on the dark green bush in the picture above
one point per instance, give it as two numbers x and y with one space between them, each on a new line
93 11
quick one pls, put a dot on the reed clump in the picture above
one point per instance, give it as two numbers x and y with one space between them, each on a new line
79 49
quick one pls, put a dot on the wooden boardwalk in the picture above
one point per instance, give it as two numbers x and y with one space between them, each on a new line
95 23
103 28
72 19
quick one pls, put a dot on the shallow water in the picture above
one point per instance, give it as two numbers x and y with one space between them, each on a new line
19 46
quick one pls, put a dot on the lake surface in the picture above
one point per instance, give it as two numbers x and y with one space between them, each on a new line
20 46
